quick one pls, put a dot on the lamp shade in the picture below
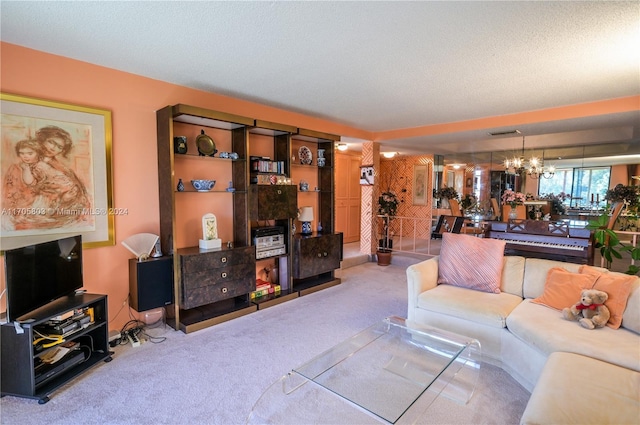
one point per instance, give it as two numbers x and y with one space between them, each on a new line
306 214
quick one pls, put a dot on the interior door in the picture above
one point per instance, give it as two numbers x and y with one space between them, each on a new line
348 196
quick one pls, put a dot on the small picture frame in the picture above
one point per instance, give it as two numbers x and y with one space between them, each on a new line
367 175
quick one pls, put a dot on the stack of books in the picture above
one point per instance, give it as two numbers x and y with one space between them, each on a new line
263 289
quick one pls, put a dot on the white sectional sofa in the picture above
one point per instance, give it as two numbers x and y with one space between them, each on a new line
529 340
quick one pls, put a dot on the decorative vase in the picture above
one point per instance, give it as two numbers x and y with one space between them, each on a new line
513 214
306 228
319 227
180 186
321 159
444 203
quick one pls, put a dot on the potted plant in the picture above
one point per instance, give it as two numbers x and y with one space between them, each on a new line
387 208
468 201
444 194
630 196
513 199
558 207
606 240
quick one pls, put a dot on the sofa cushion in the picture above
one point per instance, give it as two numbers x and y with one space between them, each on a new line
547 331
513 275
631 316
470 262
535 274
617 286
479 307
563 288
608 394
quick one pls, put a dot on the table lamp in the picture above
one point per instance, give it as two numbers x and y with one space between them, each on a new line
306 217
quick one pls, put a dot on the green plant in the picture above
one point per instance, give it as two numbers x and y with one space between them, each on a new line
468 201
610 246
630 195
388 208
557 202
446 193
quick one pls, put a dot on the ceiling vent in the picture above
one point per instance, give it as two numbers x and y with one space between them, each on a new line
504 133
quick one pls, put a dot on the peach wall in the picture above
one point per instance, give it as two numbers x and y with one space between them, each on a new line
133 101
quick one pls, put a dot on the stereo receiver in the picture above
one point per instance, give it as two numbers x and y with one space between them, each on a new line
269 241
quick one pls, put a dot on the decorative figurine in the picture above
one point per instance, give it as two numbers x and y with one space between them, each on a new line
209 232
180 144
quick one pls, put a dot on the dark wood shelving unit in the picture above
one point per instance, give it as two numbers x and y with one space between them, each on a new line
204 293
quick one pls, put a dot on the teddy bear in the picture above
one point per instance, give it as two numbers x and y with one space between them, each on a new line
590 309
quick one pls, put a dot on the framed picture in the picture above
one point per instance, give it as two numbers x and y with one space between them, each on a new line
56 170
366 175
469 182
419 185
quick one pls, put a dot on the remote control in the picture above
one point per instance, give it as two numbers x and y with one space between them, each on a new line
135 342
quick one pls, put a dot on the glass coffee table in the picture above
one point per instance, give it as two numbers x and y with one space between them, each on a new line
390 373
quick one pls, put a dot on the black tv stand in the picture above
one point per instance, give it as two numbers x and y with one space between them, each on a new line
22 373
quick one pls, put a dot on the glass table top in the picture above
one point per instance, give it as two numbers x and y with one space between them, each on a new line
390 371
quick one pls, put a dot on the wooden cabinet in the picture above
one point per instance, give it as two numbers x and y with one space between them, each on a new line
181 213
348 196
213 276
315 258
24 373
316 254
211 286
273 202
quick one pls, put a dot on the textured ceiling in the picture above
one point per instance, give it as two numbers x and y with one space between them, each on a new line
374 66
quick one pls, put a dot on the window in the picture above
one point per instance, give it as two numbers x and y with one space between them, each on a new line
585 185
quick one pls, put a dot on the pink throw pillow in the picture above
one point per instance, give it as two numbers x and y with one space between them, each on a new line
471 262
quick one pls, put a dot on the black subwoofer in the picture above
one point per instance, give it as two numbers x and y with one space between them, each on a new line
150 283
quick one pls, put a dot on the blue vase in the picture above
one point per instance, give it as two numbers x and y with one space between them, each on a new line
180 186
306 228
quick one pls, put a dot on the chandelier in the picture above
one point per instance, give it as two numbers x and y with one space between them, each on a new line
534 167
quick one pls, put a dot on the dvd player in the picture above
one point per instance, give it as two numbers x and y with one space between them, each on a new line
45 372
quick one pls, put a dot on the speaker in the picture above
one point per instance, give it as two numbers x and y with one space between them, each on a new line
150 283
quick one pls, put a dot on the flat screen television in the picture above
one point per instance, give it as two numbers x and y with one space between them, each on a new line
38 274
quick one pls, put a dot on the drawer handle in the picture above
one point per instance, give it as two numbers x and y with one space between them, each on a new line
224 290
223 259
224 275
319 255
325 254
279 192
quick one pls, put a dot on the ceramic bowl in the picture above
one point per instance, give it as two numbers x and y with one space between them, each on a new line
203 185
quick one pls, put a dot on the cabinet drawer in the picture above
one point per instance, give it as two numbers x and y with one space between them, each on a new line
199 261
315 255
213 285
275 202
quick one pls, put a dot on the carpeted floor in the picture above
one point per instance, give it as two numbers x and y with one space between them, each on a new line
214 376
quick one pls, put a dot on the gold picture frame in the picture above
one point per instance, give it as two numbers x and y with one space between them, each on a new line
68 188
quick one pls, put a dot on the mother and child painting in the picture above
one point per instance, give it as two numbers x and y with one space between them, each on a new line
47 181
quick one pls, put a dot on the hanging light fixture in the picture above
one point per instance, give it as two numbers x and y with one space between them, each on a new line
534 167
515 165
537 169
